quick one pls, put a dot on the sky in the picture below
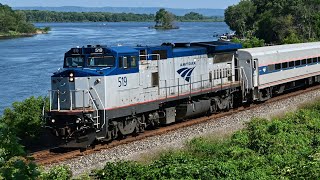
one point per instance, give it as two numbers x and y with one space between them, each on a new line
185 4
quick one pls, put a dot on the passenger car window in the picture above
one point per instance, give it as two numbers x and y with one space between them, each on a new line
303 62
297 63
314 60
291 63
277 66
309 61
271 67
284 65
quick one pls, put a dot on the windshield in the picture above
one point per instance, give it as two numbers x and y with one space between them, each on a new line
103 61
75 61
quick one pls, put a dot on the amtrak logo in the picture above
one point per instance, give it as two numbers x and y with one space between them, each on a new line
264 69
185 73
188 64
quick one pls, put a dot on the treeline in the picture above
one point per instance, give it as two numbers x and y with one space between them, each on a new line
193 16
52 16
12 22
276 21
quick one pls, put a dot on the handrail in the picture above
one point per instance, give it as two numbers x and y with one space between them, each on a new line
43 108
165 85
147 56
92 99
84 91
51 96
243 72
96 108
98 97
104 111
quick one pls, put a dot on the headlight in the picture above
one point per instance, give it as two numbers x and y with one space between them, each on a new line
71 77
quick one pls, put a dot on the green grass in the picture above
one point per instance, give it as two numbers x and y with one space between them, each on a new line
286 147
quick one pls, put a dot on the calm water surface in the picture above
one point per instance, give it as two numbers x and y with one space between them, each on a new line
26 64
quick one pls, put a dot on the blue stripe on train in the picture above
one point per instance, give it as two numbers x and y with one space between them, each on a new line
264 69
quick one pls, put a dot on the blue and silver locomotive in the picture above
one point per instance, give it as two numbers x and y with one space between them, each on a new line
103 93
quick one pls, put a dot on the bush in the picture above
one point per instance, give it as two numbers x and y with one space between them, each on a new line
18 168
58 173
9 143
284 148
292 38
47 29
25 118
120 170
250 42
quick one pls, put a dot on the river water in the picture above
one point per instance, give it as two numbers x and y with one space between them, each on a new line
27 63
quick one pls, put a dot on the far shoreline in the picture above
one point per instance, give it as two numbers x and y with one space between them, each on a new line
17 34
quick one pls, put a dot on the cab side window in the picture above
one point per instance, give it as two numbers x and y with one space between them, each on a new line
123 62
126 62
133 60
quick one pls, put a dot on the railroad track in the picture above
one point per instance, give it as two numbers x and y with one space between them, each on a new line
46 157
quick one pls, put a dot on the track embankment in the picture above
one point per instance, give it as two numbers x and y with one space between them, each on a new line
175 136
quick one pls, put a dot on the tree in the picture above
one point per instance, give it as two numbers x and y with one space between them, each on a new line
14 22
164 19
193 16
276 21
240 17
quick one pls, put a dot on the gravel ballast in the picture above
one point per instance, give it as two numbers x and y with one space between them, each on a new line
176 139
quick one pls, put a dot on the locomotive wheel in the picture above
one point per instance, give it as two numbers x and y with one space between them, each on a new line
127 127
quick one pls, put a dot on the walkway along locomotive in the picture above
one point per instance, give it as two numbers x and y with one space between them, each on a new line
103 93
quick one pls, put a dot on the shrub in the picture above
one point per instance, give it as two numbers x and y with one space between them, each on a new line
58 173
18 168
25 118
47 29
120 170
292 38
9 143
283 148
250 42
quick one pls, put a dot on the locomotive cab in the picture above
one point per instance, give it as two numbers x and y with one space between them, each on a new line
80 91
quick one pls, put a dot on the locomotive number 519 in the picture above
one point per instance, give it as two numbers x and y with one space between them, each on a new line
123 81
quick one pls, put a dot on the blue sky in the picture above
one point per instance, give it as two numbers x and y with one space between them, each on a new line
220 4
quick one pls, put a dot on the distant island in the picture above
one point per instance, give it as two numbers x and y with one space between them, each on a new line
13 23
164 20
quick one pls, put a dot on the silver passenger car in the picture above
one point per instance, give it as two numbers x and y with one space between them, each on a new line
274 69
